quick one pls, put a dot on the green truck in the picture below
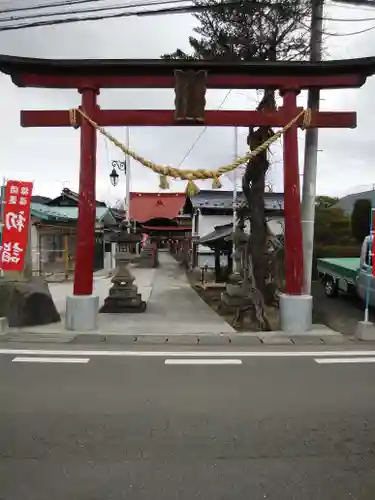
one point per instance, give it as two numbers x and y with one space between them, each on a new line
348 275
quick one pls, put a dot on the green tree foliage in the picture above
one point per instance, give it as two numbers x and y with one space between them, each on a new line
332 226
248 31
332 234
360 219
325 202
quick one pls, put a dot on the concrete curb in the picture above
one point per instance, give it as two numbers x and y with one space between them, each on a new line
203 339
365 331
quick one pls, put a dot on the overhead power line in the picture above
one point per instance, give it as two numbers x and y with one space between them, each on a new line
352 33
343 20
369 3
132 9
68 3
90 10
203 131
150 12
62 3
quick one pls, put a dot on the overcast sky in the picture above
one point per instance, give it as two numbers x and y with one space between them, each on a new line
50 157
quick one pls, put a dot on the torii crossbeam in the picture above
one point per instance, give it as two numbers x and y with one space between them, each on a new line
190 80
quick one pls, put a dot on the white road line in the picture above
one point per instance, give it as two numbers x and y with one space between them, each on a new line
25 359
187 354
203 362
332 361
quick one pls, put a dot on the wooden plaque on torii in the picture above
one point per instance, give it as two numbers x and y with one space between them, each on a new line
190 92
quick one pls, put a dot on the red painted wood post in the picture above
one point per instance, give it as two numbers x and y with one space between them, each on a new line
83 275
292 201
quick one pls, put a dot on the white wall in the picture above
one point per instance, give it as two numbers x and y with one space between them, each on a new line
207 224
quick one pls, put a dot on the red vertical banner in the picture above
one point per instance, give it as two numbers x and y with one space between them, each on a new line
16 219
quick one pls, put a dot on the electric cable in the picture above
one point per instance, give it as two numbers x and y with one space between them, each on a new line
95 9
202 131
48 5
173 10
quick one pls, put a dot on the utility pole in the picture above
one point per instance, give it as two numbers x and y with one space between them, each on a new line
127 173
311 151
234 220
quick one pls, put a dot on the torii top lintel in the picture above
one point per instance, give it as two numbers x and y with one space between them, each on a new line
158 73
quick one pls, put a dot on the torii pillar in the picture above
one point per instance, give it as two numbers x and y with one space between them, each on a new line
82 306
295 306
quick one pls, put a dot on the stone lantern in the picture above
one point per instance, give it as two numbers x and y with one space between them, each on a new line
123 296
235 295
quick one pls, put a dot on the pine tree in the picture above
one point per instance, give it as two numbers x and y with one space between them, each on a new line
249 30
269 30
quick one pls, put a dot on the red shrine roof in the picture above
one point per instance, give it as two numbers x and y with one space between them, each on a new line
147 206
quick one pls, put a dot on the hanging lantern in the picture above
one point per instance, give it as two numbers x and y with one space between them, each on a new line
114 177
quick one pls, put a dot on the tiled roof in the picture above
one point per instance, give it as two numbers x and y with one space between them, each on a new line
67 194
40 199
147 206
220 232
224 200
46 212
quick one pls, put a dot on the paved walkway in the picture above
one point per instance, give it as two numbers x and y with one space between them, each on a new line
173 307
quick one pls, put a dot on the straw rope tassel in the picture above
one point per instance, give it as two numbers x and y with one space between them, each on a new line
192 175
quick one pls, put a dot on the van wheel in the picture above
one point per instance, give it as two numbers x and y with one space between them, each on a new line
330 288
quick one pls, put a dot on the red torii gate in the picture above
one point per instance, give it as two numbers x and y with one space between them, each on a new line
89 76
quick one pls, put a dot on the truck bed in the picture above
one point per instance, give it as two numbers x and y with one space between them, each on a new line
346 268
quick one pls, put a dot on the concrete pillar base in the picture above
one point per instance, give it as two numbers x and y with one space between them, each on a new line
82 313
365 331
3 325
295 313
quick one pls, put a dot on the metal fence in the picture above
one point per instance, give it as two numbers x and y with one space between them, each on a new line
48 263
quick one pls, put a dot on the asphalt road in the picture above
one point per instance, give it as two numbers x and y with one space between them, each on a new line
126 427
340 313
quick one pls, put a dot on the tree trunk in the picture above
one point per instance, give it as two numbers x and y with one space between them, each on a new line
258 233
254 186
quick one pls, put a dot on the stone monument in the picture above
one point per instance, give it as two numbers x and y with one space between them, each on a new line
123 296
27 302
235 295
